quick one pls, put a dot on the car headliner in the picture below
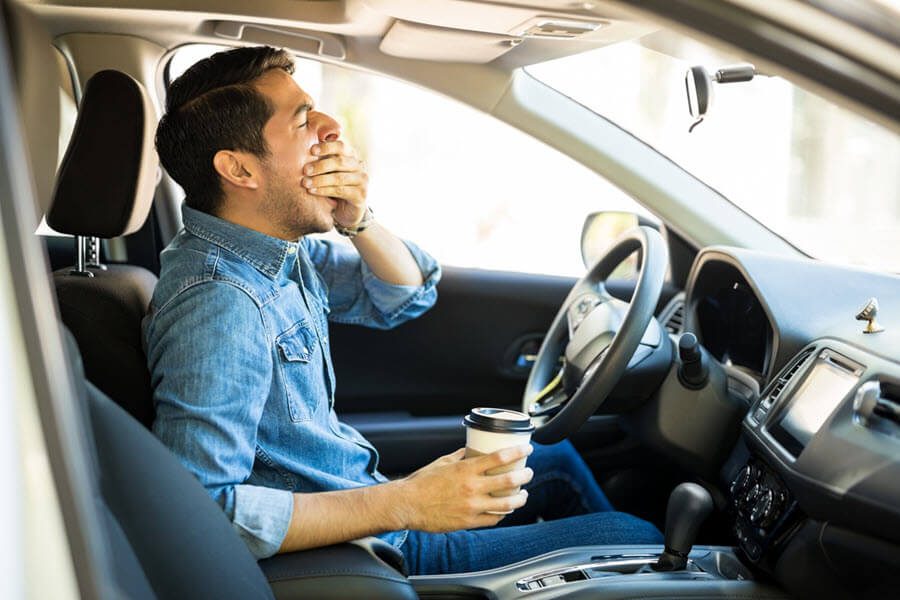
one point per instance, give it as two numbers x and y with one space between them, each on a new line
144 33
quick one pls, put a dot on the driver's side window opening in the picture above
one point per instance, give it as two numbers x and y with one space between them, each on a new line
474 191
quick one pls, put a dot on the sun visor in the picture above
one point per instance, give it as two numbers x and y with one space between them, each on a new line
412 40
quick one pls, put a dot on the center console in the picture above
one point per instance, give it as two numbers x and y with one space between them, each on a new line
765 513
812 485
602 572
618 563
674 570
785 419
810 488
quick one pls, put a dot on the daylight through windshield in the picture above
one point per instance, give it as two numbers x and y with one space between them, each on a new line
822 177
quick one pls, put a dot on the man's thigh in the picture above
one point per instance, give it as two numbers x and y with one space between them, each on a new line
563 486
478 549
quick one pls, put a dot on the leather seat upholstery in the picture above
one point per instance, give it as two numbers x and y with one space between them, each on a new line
105 189
167 539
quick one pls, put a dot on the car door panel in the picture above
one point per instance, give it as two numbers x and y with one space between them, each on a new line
409 387
421 439
455 356
464 352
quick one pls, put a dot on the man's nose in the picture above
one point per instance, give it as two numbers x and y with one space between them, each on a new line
327 129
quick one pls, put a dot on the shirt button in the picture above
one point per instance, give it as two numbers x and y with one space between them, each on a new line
292 249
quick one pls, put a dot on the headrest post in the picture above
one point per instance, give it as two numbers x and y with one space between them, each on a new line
92 253
80 250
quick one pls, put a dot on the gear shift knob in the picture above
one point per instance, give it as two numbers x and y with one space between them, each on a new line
689 505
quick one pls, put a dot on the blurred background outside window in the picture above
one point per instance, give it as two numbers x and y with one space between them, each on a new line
469 189
820 176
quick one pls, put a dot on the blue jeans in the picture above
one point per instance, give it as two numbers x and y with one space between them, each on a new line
563 493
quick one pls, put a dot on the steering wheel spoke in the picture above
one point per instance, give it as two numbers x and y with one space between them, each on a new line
580 308
584 297
549 400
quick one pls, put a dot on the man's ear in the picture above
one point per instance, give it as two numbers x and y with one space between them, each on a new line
237 168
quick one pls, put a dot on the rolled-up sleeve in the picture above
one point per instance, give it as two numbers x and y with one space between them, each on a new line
211 362
261 516
357 296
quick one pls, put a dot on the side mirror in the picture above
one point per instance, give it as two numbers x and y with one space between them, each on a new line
601 229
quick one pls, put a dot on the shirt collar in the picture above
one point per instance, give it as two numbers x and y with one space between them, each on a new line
265 253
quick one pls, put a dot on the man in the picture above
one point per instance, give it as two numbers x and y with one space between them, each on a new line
237 343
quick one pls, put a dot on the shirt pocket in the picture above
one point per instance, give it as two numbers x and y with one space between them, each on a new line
295 350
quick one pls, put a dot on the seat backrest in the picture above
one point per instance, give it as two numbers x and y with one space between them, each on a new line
105 189
166 537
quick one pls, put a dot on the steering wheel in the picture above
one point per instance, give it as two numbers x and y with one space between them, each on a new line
593 338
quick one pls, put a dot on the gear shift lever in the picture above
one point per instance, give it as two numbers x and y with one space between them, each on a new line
688 507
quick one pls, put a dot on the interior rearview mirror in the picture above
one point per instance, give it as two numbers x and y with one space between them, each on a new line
699 86
699 91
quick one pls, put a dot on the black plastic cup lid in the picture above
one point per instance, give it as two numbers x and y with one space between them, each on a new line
499 420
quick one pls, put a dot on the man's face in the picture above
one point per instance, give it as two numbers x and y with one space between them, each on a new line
290 133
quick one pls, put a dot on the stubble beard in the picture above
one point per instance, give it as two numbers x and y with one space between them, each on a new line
292 210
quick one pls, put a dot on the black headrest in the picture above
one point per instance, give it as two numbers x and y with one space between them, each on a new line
105 183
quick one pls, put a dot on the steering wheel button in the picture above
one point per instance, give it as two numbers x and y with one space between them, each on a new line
585 305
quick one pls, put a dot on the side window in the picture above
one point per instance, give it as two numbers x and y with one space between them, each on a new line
471 190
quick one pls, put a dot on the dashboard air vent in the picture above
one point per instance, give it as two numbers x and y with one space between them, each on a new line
672 316
787 374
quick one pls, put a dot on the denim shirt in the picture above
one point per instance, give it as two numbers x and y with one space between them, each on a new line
238 349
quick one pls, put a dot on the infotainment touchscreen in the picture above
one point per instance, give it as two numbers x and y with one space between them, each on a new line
827 383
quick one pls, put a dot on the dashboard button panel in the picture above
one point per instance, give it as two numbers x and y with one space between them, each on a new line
763 508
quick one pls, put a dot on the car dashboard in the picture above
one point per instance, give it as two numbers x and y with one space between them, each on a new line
815 474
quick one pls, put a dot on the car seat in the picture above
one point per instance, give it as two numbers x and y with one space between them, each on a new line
104 189
166 538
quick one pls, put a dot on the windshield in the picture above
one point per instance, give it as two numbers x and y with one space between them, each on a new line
819 175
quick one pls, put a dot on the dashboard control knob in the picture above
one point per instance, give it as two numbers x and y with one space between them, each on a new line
742 482
693 372
749 500
764 507
774 512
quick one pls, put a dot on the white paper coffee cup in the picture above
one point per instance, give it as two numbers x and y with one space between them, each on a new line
492 429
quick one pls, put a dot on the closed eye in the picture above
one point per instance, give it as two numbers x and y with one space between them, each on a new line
303 111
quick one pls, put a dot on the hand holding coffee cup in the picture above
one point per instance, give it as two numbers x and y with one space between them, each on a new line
491 429
453 493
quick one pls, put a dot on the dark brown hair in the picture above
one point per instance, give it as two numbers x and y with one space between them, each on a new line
213 106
